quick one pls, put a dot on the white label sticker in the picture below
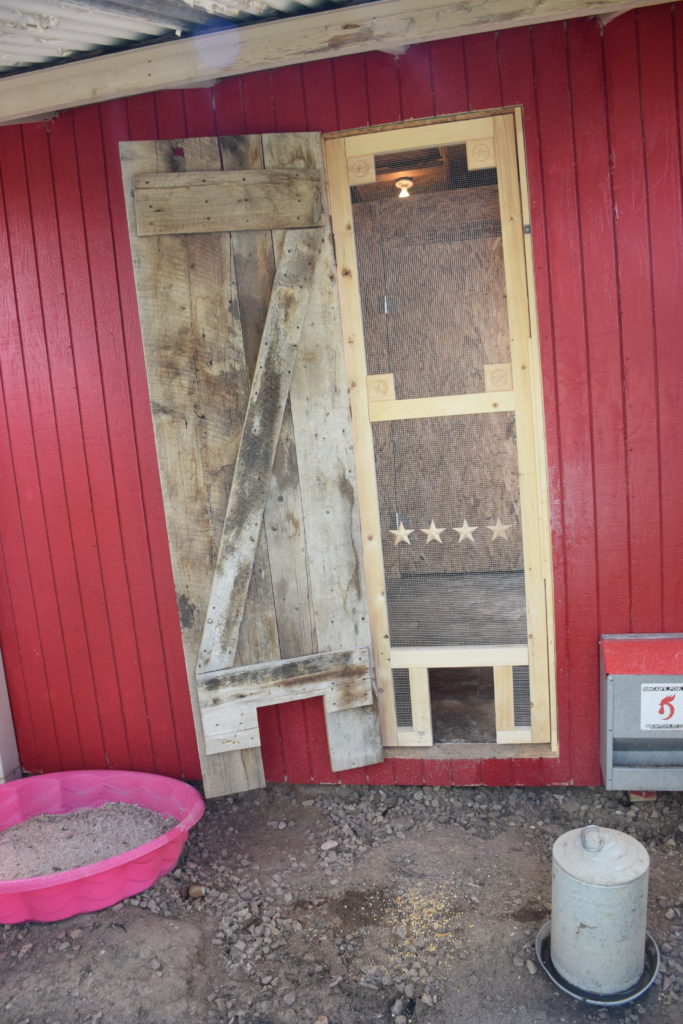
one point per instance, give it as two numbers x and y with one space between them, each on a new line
661 706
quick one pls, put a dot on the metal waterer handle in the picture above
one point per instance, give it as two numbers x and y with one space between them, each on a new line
591 839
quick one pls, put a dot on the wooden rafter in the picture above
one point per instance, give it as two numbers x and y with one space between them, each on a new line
385 25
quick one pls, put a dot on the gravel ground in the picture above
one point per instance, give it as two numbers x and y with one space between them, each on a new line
328 905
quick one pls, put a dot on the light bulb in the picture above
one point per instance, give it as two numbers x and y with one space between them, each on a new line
404 184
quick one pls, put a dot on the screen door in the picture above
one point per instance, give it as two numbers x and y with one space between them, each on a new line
452 444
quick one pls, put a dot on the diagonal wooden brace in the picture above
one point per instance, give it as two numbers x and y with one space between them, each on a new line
260 434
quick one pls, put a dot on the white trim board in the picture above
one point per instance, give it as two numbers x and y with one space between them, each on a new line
386 25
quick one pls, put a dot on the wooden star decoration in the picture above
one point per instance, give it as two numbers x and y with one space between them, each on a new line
499 530
401 534
433 533
465 531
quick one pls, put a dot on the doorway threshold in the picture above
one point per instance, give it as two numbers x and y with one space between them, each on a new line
473 751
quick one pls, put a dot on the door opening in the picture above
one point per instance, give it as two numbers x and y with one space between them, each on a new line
448 429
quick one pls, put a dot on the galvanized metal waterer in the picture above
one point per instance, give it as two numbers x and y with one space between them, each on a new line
596 946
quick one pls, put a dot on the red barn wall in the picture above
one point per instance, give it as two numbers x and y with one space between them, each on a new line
88 624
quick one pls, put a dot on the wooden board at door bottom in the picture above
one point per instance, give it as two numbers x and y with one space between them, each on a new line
229 700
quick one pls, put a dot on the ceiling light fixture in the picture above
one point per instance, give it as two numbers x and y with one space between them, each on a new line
404 184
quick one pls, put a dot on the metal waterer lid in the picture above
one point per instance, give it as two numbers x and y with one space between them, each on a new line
600 856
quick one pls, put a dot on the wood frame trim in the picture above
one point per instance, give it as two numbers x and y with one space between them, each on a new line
441 405
526 375
420 735
459 657
506 129
536 397
387 25
361 429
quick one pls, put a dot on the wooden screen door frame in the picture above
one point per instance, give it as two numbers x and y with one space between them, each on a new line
349 156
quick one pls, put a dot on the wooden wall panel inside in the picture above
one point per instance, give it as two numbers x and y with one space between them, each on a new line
88 624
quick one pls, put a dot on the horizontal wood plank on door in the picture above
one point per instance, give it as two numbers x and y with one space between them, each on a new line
317 672
244 200
383 410
457 657
230 700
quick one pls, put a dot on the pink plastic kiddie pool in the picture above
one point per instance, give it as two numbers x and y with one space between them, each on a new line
81 890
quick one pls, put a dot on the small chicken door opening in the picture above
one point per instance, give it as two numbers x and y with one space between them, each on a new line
459 705
451 435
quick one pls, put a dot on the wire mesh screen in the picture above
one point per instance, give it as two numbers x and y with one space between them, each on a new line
521 695
402 699
422 261
435 318
457 609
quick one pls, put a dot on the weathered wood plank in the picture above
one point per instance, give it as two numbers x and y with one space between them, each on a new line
282 545
291 675
245 200
327 609
230 700
322 430
260 433
195 364
276 44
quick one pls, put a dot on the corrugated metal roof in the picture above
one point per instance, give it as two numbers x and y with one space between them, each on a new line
38 33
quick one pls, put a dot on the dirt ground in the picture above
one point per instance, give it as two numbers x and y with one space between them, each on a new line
328 905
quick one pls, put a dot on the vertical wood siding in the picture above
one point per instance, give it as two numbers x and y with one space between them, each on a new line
88 623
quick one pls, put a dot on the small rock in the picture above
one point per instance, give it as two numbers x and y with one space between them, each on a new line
329 844
670 914
531 967
290 999
195 891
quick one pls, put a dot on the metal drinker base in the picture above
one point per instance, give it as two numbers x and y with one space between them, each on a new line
646 979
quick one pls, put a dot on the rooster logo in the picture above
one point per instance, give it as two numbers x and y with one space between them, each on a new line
666 707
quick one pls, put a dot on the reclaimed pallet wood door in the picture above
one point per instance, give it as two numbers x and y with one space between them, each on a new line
239 312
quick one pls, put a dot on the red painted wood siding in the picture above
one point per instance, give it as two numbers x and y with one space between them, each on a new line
88 624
